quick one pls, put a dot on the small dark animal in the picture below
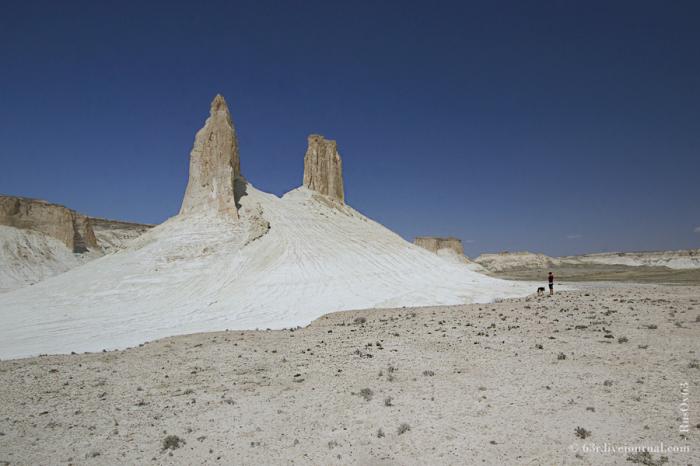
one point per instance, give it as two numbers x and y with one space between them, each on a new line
540 290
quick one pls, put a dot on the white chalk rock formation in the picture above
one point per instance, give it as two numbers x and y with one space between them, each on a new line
66 225
275 262
214 165
323 169
521 260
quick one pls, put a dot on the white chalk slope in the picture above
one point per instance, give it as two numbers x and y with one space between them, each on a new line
28 257
202 273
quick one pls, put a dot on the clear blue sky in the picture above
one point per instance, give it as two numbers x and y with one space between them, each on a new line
560 127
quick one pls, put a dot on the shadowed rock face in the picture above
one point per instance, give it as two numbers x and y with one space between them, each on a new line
66 225
214 165
434 243
323 170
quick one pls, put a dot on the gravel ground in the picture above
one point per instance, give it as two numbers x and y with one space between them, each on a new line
534 380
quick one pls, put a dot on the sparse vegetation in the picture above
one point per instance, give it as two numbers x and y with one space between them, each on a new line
360 320
622 340
172 442
403 428
428 373
367 394
582 433
645 458
561 356
388 401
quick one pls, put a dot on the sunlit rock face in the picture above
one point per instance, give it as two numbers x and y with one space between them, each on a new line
435 243
66 225
323 169
214 165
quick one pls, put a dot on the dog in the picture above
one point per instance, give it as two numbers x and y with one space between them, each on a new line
540 291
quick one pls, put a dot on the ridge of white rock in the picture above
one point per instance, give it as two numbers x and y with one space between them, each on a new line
214 165
64 224
269 263
681 259
200 272
39 239
323 168
503 261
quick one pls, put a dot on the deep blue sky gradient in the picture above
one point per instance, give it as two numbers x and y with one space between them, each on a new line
560 127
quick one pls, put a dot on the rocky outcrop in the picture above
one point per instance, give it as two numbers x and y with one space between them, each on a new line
66 225
435 243
214 165
323 169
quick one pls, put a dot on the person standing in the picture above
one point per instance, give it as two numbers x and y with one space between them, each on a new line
551 283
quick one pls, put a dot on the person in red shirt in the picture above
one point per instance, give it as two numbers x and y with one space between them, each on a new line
551 283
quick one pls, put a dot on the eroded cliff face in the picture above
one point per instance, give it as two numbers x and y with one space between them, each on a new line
214 165
66 225
435 243
323 169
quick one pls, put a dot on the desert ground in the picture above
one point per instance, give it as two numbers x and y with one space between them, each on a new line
535 380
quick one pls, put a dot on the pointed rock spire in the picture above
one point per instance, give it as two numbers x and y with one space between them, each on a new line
323 170
214 165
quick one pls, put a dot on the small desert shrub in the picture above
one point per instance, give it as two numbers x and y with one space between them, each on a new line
652 327
388 400
582 433
608 383
366 393
561 356
428 373
622 340
332 444
380 433
360 320
172 442
403 428
645 458
694 364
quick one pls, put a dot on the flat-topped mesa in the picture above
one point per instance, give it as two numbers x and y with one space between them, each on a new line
435 243
323 169
214 165
66 225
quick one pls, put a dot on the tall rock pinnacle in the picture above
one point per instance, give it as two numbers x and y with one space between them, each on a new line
214 165
323 169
